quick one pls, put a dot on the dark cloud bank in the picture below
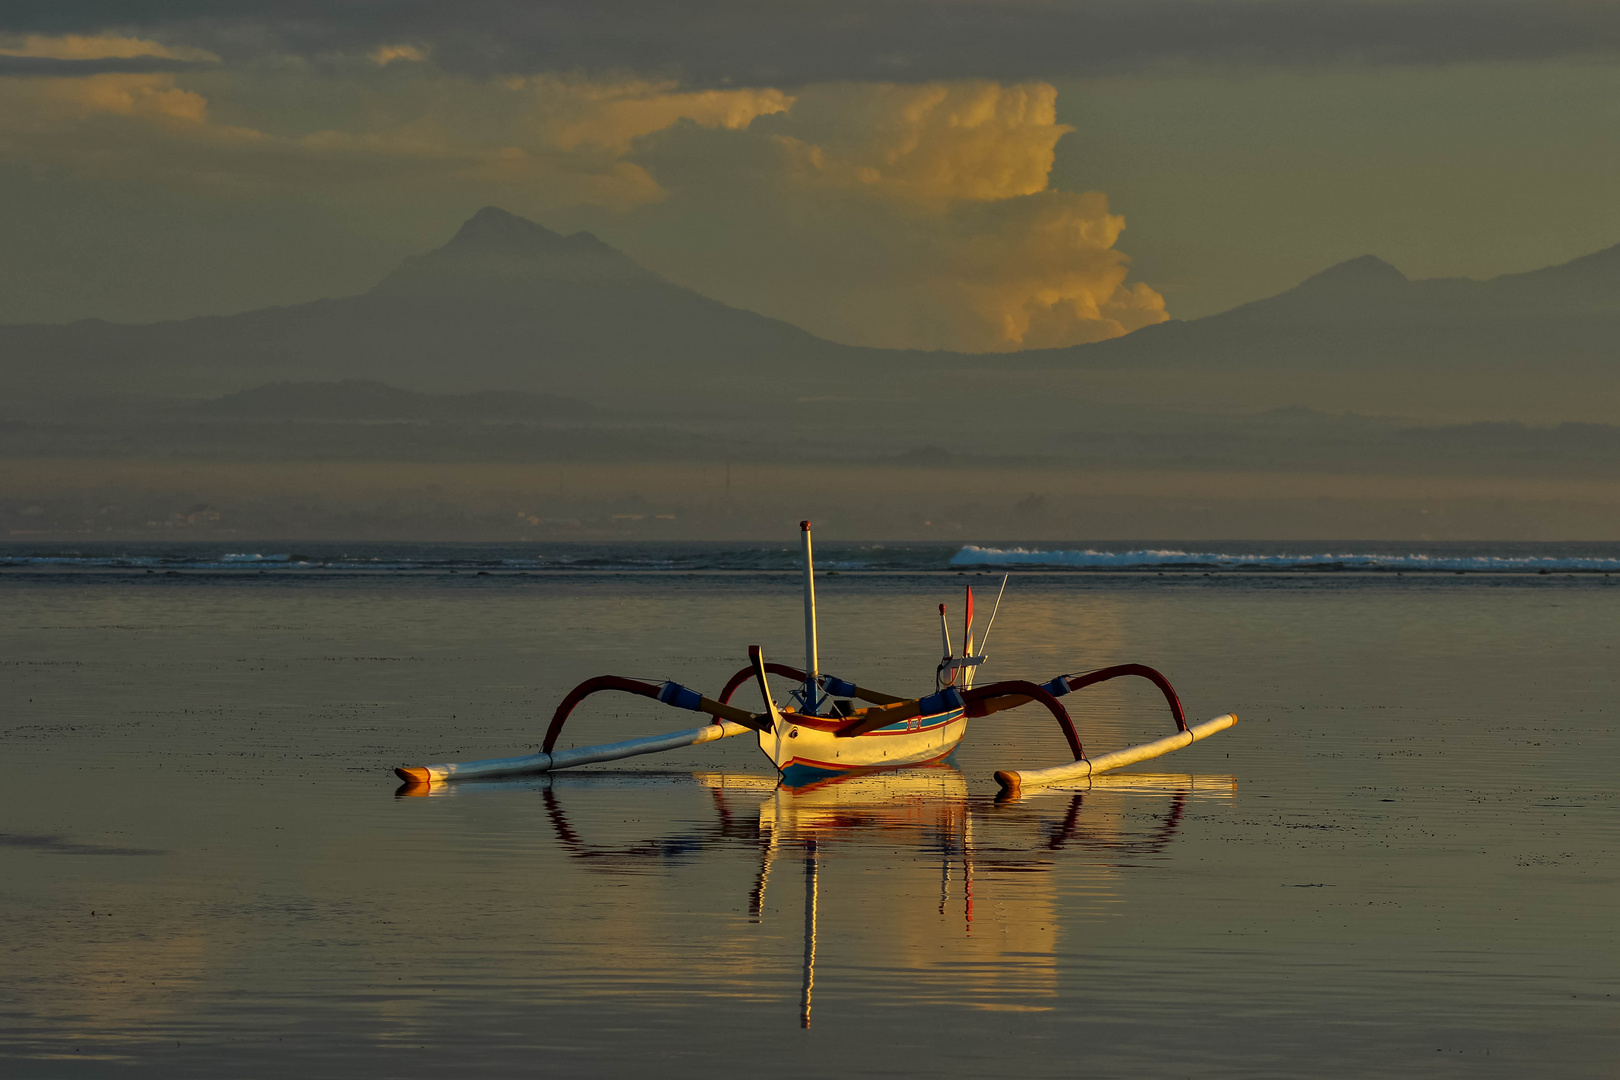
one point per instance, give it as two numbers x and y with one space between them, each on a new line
719 41
50 67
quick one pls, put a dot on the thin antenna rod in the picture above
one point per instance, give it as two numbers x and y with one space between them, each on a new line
986 639
812 665
967 625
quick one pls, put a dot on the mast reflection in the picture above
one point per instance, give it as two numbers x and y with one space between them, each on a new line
981 870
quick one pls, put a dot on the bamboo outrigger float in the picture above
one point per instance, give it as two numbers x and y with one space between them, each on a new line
826 734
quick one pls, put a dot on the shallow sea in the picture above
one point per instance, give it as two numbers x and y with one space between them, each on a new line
1401 862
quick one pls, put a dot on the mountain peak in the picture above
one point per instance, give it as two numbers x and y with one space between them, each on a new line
496 231
498 256
1360 272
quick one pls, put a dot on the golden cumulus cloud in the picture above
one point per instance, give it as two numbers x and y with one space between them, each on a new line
98 47
1046 277
1036 271
149 97
931 144
572 113
923 214
46 103
984 256
383 55
555 141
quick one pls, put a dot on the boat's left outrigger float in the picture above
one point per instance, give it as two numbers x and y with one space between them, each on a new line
825 733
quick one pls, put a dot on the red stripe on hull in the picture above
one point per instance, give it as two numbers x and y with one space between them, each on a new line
841 767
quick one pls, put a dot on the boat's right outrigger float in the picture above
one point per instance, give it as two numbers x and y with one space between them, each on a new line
826 733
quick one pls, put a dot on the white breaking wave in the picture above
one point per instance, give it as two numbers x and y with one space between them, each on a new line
1089 559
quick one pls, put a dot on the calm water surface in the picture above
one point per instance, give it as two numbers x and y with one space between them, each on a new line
1401 862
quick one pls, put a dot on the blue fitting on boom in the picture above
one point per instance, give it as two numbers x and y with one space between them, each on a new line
944 701
1057 687
838 687
673 693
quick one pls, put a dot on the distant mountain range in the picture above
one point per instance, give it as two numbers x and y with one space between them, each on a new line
1365 312
507 305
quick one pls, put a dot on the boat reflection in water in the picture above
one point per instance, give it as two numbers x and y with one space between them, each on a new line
967 899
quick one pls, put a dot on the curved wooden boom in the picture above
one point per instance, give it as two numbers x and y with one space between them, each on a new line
1091 678
1011 693
729 721
669 693
1012 781
886 710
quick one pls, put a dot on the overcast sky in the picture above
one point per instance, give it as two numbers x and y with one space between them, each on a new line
936 173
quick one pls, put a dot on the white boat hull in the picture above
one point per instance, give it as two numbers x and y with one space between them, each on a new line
802 752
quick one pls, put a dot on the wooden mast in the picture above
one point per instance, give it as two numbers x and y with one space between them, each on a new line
812 665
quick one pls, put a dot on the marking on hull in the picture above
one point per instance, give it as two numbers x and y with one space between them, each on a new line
794 773
823 753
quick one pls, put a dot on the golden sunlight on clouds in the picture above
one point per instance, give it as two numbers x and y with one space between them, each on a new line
575 113
914 216
937 142
48 105
990 256
554 141
384 55
149 97
1048 277
76 47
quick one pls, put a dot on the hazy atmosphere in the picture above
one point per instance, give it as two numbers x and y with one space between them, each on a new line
1157 269
1178 439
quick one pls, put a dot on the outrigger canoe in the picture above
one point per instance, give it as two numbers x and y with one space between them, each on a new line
825 733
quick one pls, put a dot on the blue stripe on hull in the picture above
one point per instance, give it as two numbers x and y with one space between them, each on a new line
799 775
815 762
